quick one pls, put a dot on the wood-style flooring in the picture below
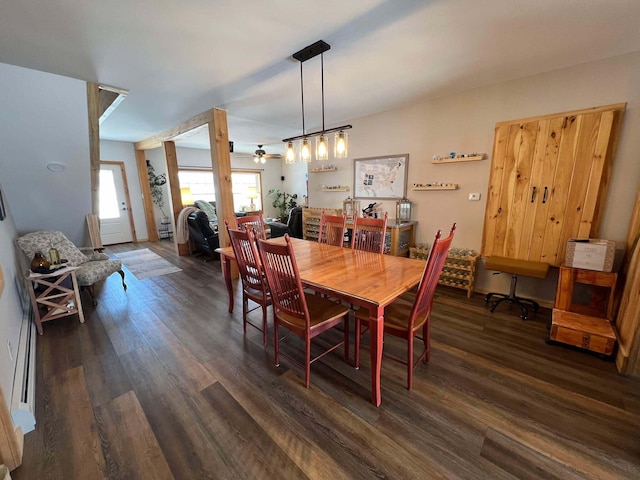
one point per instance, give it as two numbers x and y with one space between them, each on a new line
161 383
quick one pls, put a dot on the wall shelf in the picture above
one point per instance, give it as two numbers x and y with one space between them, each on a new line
336 189
323 170
460 159
454 186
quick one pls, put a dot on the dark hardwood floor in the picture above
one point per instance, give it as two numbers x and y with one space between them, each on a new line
161 383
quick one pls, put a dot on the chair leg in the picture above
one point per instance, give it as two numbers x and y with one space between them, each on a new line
426 332
92 294
346 338
410 361
245 307
124 285
276 343
357 344
307 363
264 324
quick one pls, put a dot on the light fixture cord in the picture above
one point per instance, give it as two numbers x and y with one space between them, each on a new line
322 84
304 132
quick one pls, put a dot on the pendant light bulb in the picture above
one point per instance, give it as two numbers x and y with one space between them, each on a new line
341 145
305 150
322 148
290 156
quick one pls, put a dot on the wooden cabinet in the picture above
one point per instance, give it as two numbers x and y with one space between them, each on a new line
585 324
548 182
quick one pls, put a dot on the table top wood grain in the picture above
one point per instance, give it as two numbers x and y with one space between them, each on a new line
367 278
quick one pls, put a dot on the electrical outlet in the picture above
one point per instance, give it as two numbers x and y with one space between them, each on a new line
474 196
10 350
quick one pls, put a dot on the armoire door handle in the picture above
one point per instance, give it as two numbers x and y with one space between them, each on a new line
544 195
533 193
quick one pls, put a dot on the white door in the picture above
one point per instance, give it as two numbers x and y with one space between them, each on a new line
115 225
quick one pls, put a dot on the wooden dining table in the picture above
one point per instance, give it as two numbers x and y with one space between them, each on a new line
369 280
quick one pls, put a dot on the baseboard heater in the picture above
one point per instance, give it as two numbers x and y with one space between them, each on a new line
24 384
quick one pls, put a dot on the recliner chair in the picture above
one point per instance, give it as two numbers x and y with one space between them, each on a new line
293 226
202 235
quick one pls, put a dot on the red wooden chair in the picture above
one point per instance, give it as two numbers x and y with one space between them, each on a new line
305 315
369 234
405 320
332 229
254 287
255 222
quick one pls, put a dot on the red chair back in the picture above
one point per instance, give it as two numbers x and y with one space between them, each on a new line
332 229
369 234
244 248
280 267
252 222
430 276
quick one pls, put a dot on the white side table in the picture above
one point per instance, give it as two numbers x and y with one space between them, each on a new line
50 299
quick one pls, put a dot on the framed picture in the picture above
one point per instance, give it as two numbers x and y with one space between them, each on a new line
381 177
3 213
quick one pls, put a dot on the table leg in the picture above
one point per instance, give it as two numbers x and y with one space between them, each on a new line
76 289
226 273
376 332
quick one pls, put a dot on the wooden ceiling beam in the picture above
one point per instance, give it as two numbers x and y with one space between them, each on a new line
157 140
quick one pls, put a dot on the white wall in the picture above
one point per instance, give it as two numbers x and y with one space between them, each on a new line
465 123
10 306
45 120
125 152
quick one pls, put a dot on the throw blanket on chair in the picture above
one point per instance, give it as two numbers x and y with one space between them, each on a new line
182 227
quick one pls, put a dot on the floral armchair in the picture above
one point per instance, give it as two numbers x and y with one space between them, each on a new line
93 266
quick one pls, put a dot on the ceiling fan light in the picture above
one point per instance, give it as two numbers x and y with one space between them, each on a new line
341 145
322 148
305 150
263 159
290 156
256 158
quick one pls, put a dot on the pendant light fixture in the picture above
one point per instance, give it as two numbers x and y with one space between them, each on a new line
322 139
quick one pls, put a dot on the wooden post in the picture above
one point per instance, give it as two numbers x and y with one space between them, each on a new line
171 157
221 165
147 201
93 107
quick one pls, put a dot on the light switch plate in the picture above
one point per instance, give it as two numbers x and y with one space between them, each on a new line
474 196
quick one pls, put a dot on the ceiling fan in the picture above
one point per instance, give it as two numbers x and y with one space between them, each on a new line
260 156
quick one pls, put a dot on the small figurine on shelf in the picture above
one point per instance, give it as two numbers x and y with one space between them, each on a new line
369 211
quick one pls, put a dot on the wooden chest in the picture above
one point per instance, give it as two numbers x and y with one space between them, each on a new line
591 333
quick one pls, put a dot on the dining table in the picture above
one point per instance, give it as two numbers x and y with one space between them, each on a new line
368 280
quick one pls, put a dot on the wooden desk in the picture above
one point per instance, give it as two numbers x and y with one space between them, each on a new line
50 299
369 280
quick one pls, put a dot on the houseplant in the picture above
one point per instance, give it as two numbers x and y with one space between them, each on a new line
155 185
283 202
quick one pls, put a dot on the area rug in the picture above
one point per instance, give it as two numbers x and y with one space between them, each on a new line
146 264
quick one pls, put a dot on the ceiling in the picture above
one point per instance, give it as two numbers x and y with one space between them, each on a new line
178 59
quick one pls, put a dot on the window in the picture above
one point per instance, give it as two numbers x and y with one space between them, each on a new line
246 187
200 182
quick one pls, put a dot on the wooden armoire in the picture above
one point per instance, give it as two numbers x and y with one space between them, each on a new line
548 182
